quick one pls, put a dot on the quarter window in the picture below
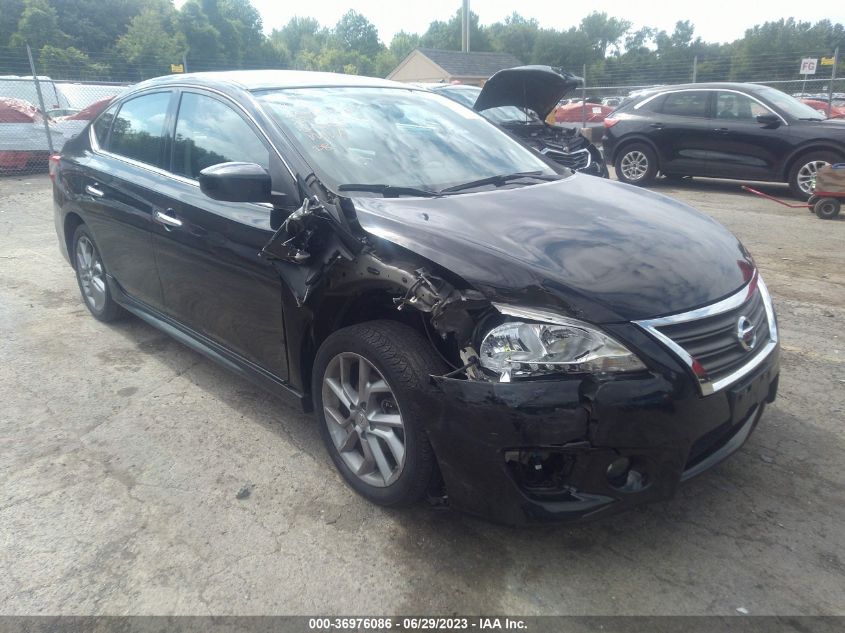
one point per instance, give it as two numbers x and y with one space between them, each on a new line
209 132
138 129
733 105
102 125
692 104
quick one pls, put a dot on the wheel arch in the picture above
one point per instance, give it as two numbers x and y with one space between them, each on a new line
359 304
71 222
627 141
819 145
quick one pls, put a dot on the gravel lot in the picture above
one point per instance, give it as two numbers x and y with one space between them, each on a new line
123 453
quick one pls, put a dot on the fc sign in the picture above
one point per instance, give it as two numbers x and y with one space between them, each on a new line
809 65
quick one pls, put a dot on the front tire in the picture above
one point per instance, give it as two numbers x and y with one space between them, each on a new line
636 164
371 394
802 175
91 277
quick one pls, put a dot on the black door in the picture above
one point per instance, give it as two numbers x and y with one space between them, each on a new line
119 191
745 148
213 280
683 133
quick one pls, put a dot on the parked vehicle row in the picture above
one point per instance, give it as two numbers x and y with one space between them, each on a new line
468 319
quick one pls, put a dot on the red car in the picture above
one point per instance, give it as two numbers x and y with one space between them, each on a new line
23 141
836 111
573 112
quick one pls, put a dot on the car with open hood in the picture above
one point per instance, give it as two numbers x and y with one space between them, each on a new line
520 100
470 321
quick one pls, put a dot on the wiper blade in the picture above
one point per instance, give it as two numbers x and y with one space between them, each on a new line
389 191
499 180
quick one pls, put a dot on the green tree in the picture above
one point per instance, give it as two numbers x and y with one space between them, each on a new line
152 42
516 35
603 32
447 35
38 25
202 40
70 63
93 25
356 33
402 44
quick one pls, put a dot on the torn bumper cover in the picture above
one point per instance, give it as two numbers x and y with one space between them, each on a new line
579 448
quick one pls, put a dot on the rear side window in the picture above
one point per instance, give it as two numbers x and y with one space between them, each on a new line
209 132
138 129
686 104
102 126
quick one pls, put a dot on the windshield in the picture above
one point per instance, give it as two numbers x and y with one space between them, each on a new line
789 105
468 95
400 138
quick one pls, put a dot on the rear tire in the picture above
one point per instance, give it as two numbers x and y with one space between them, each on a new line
636 164
803 172
374 428
827 208
91 277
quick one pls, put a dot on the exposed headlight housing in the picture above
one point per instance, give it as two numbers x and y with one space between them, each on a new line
561 345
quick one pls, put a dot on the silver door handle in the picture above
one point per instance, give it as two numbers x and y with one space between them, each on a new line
97 193
167 220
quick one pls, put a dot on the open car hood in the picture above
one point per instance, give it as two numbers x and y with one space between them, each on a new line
538 88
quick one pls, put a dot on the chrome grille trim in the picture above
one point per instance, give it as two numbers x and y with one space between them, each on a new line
707 385
572 160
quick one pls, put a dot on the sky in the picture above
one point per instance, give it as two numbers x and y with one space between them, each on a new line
714 20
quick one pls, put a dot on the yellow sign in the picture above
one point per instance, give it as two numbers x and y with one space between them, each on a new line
827 61
177 68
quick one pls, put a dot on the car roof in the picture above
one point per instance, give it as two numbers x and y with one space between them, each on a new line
269 79
726 85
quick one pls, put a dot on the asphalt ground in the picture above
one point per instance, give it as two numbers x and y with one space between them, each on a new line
140 478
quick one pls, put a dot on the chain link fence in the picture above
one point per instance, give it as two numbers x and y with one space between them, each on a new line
48 100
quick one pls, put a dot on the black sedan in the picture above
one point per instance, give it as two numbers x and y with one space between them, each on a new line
722 130
468 320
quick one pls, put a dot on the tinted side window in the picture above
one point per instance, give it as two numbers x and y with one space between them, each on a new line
209 132
102 125
138 129
733 105
686 104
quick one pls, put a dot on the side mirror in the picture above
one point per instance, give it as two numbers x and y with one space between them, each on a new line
236 182
768 120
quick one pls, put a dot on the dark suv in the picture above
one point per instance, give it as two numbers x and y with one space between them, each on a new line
469 320
722 130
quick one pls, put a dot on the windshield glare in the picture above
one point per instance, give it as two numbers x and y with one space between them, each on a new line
468 95
402 138
790 105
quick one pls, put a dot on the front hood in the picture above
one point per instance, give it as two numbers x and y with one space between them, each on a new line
593 249
537 88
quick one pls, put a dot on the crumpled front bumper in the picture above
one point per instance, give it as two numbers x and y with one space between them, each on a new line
544 451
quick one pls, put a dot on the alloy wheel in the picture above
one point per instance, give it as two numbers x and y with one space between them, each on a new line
634 165
91 274
363 419
806 178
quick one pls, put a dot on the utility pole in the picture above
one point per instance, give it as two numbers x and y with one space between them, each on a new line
465 26
832 80
40 99
694 69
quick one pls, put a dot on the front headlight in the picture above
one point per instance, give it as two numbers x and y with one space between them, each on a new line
517 349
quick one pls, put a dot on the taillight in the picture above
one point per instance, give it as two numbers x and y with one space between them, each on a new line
53 165
610 122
